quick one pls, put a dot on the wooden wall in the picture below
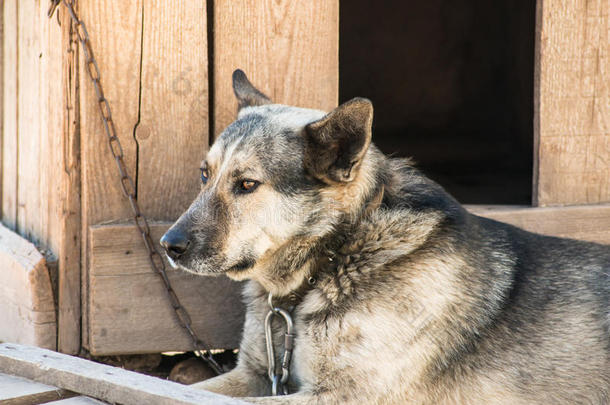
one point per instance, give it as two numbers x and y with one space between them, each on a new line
39 176
572 103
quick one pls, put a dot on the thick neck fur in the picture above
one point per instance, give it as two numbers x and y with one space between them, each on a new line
358 214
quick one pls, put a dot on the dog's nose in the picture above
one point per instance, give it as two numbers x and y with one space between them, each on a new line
175 242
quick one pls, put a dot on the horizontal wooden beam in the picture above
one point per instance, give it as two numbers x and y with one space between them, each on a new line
585 222
129 311
111 384
21 391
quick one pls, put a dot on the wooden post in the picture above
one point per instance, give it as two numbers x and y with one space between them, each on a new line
572 103
289 50
9 114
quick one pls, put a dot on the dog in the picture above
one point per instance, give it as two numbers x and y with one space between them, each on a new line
396 293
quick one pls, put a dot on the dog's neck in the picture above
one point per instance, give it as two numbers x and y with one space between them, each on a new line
294 269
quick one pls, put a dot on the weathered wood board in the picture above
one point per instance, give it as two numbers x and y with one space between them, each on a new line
80 400
9 114
585 222
128 307
21 391
172 131
112 26
66 241
289 50
27 311
111 384
572 103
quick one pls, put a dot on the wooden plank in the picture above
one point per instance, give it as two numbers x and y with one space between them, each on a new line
288 49
173 126
66 244
27 310
1 94
21 391
587 222
30 121
80 400
9 114
107 383
129 309
572 103
115 29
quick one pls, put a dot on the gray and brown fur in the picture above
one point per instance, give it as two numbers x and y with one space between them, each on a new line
422 303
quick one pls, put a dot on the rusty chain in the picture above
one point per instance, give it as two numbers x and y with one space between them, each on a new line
128 185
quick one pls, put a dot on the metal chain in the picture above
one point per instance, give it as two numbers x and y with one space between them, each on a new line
128 185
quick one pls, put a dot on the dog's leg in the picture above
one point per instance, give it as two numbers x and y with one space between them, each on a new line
238 382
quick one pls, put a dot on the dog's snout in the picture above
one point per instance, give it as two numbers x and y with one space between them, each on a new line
175 242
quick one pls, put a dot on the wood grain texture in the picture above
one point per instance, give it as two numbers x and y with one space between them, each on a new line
66 244
289 50
21 391
572 103
9 114
107 383
172 133
586 222
115 29
129 309
27 310
80 400
30 146
41 198
1 95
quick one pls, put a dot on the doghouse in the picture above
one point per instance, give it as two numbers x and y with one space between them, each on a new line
504 103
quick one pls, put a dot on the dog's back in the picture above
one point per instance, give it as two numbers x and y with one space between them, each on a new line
551 339
540 307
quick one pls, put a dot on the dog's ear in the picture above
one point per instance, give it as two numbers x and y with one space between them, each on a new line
247 95
336 144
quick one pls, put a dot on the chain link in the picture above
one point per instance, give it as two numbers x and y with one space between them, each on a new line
128 184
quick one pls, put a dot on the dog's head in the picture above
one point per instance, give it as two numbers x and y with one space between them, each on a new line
276 176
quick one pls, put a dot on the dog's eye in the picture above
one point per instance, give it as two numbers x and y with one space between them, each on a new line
248 186
204 176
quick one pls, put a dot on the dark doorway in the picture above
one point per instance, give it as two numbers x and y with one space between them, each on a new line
452 85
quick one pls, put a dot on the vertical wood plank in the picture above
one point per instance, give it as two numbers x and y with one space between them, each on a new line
115 29
29 122
1 95
172 133
288 49
67 167
9 115
572 103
